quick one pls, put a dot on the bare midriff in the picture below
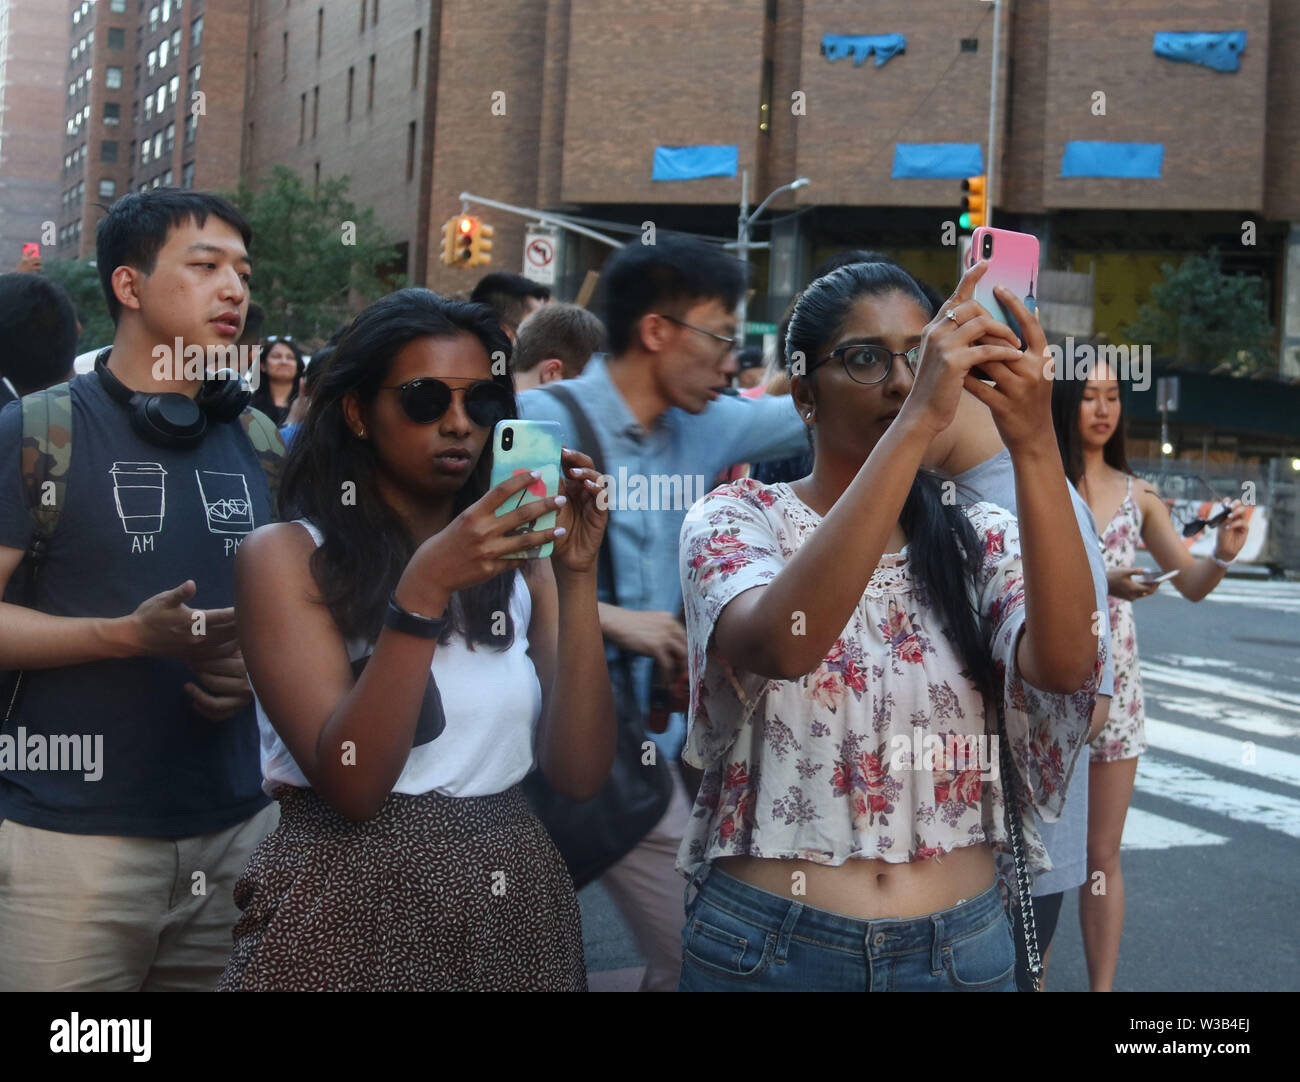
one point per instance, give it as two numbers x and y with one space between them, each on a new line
872 889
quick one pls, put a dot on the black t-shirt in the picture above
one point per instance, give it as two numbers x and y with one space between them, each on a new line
137 519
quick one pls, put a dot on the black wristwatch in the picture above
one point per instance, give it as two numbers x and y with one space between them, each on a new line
410 623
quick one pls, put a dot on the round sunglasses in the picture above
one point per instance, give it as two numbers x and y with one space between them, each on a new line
425 400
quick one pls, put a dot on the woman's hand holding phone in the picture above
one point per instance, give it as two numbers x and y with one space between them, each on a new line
949 349
474 547
1125 583
584 517
1020 396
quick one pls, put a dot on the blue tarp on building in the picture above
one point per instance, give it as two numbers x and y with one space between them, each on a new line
691 163
861 46
915 160
1220 51
1089 159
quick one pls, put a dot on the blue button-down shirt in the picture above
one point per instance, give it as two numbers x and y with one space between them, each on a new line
658 473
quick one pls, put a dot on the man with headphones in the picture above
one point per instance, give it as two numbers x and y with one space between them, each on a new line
130 795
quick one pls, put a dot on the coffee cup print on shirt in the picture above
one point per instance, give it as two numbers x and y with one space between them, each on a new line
140 496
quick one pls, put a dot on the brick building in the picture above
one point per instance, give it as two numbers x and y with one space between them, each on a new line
33 43
138 111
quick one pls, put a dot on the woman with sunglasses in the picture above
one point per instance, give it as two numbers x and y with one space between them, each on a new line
853 638
1087 418
409 671
282 367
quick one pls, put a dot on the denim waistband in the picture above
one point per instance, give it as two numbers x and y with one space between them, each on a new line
881 937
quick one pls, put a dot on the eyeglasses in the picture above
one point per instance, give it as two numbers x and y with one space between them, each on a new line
425 400
722 338
871 364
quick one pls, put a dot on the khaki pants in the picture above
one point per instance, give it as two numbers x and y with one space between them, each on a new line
87 912
648 890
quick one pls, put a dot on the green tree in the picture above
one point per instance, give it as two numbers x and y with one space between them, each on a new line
1204 317
80 278
317 258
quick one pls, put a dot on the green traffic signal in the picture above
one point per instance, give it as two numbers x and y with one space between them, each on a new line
964 221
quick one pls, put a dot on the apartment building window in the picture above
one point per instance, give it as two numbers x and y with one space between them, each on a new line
170 133
108 150
148 107
196 33
116 37
164 51
191 128
107 188
153 18
151 63
166 10
113 78
117 5
315 109
157 144
174 88
176 45
315 184
302 117
146 149
112 113
167 177
374 13
362 30
187 175
415 61
352 78
370 86
137 76
320 30
195 73
284 56
162 100
252 76
410 150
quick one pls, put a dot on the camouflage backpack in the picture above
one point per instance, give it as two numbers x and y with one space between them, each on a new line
47 454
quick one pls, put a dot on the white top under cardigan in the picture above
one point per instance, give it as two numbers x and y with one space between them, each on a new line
492 700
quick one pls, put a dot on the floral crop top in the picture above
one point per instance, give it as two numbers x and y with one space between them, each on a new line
886 750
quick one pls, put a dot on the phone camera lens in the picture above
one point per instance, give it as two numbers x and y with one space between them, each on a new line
507 438
987 246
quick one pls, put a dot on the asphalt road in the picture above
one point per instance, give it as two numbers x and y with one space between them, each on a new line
1211 850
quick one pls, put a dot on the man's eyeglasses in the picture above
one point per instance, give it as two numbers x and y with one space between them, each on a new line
721 338
871 364
425 400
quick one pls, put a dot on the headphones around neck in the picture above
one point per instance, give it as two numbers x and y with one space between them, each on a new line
171 419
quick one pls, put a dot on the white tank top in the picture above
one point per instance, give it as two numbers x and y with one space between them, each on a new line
492 700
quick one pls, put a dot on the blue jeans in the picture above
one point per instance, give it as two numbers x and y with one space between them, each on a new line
739 938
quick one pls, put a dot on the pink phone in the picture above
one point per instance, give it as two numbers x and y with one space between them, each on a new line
31 250
1013 262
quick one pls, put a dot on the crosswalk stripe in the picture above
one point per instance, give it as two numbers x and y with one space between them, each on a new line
1223 751
1240 803
1146 830
1212 685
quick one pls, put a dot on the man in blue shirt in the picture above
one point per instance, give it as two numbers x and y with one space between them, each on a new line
665 428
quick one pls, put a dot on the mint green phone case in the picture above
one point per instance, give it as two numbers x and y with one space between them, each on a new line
533 445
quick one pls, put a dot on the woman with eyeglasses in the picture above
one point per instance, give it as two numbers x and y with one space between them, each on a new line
1087 417
408 672
282 366
853 637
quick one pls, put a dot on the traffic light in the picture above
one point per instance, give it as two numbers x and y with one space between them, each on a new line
480 244
465 230
973 209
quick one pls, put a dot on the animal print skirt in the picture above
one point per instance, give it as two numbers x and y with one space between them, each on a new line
435 893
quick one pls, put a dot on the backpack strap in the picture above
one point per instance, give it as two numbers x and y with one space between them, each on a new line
46 456
269 448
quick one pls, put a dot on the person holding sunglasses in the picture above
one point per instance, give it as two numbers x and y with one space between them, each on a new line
839 623
408 671
1089 429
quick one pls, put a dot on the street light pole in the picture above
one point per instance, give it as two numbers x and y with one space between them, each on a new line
742 237
990 170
